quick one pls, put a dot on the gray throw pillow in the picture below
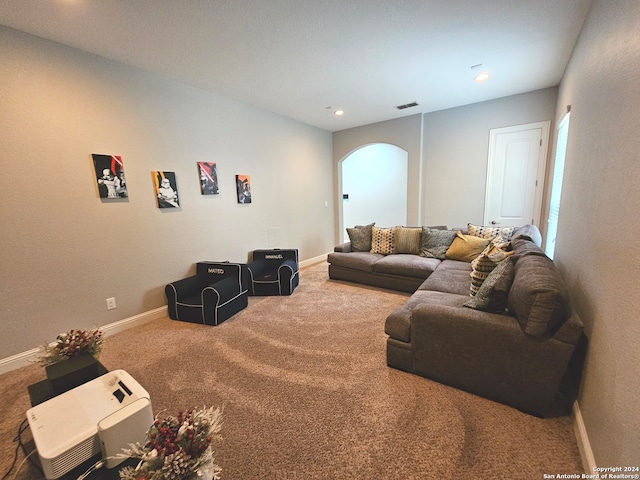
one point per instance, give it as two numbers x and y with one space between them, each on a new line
494 291
436 242
538 298
360 237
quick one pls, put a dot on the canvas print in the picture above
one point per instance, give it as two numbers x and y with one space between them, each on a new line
243 186
110 176
208 178
166 189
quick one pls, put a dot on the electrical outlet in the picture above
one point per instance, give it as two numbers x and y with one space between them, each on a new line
111 303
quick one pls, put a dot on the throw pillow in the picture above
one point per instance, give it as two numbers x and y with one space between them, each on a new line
360 237
408 240
494 292
383 240
538 298
484 263
466 247
435 242
490 232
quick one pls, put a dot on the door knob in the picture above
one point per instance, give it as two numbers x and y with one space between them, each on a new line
493 222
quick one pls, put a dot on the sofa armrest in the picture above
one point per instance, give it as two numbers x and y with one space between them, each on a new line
257 268
184 288
489 355
288 269
221 292
343 247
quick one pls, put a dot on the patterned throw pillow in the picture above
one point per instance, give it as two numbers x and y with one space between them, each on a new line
360 237
494 292
435 242
383 240
466 247
490 232
408 239
484 263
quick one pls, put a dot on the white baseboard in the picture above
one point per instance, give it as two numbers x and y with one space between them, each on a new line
27 358
580 430
312 261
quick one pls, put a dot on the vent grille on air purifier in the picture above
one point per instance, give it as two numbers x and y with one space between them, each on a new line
74 457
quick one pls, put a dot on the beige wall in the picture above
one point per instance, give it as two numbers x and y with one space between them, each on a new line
404 133
456 148
597 245
64 251
448 153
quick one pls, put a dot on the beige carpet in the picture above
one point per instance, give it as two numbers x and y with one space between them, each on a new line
307 395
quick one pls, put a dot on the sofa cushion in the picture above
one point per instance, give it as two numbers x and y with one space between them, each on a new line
398 323
489 232
360 237
449 264
406 265
383 240
435 242
523 246
466 247
408 240
363 261
448 280
538 297
494 291
484 263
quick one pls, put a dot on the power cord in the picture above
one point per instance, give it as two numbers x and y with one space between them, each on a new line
93 468
23 426
15 475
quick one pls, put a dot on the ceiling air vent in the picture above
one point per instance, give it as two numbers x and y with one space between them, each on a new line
407 105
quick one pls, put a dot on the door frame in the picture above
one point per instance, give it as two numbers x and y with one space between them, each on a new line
343 237
542 165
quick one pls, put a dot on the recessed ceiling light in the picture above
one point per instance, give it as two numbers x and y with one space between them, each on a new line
339 113
481 73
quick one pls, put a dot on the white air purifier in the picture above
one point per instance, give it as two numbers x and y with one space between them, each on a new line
124 427
66 428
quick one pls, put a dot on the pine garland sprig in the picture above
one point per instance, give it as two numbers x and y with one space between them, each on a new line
71 344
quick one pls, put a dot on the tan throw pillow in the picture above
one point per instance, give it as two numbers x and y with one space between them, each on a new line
489 232
484 263
408 239
466 247
383 240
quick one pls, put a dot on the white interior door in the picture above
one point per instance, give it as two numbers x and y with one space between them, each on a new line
515 174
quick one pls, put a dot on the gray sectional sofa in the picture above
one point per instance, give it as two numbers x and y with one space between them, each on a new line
516 341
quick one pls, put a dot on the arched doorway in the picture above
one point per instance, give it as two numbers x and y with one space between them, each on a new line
374 186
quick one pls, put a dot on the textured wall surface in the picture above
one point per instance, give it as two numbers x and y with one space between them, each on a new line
598 247
64 251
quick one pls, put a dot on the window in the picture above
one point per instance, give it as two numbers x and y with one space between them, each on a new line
556 186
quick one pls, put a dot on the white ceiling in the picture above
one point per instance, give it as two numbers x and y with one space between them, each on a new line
298 57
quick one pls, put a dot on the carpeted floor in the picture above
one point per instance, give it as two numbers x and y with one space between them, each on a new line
307 395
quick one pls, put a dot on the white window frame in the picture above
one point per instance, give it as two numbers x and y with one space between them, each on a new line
556 186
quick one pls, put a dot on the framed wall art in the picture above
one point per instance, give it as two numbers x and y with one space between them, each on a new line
110 178
243 187
208 178
166 189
